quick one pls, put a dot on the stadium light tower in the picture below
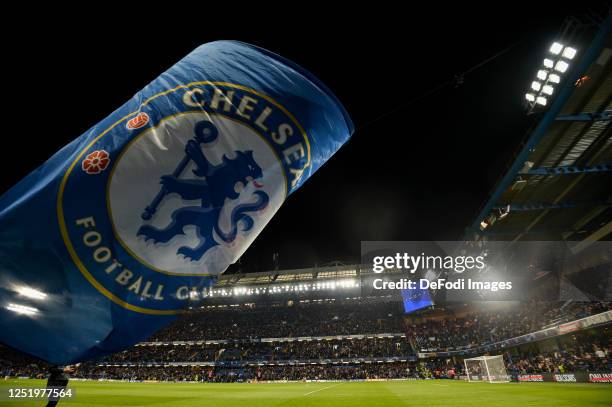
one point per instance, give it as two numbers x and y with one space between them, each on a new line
549 75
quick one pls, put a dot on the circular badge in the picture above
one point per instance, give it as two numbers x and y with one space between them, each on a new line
170 195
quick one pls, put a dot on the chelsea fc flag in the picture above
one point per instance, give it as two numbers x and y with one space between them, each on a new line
133 221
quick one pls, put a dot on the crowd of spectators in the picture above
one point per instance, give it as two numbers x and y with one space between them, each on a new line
144 373
584 353
393 370
313 319
253 350
483 326
17 364
449 333
423 369
236 351
168 353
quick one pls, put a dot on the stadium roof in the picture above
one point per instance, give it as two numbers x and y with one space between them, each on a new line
558 186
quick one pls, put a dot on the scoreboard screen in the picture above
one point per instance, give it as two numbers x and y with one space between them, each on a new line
416 299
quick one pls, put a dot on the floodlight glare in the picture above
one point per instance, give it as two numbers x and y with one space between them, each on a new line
547 89
561 66
569 53
541 100
31 293
542 74
22 309
548 63
535 85
554 78
530 97
556 48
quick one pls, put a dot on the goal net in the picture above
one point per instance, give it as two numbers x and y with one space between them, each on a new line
486 368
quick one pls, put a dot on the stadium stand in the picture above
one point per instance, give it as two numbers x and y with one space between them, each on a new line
311 319
452 332
356 343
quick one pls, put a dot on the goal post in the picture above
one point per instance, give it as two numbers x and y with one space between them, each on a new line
486 368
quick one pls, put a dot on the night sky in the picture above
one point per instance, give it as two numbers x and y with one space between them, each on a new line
420 173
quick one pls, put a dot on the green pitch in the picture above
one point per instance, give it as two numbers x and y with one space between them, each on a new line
443 393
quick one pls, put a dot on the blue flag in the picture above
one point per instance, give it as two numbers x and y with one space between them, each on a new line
129 224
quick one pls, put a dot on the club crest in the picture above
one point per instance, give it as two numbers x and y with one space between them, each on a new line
181 188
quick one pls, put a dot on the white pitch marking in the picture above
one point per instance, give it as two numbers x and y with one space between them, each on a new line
324 388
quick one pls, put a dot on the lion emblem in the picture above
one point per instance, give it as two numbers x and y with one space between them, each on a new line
212 186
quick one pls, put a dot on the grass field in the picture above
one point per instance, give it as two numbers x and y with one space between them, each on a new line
337 394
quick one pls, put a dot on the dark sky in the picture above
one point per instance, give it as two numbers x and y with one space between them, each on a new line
420 173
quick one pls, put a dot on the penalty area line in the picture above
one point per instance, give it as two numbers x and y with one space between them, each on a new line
324 388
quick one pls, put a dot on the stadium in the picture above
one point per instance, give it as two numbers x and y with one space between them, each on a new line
532 325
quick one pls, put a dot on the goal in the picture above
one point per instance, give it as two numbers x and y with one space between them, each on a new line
486 368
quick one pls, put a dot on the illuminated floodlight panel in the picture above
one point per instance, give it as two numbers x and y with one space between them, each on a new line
542 75
556 48
561 66
569 53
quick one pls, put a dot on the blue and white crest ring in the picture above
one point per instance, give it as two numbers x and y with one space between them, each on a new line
197 209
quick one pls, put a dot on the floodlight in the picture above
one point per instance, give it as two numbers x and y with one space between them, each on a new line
22 309
541 100
530 97
549 63
31 293
554 78
542 74
569 53
535 85
561 66
547 89
556 48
